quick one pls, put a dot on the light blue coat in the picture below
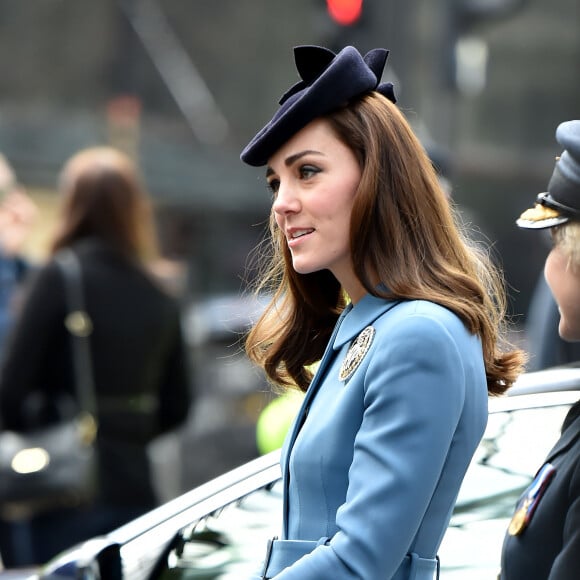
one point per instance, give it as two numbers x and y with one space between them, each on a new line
373 464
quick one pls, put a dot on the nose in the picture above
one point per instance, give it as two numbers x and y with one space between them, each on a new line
286 201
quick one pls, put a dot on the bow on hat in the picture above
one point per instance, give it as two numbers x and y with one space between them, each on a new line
329 81
312 61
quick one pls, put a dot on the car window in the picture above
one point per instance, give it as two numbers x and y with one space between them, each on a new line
513 448
230 543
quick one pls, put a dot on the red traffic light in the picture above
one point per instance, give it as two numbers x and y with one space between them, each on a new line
344 12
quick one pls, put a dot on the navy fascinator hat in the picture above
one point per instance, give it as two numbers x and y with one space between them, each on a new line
329 81
561 202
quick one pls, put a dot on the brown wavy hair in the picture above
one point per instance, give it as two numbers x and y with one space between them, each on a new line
403 230
103 196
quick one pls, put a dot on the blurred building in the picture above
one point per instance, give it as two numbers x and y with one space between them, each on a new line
183 85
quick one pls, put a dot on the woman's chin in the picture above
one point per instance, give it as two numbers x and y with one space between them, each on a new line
567 333
303 268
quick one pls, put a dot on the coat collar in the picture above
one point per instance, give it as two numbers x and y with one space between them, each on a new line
359 316
567 439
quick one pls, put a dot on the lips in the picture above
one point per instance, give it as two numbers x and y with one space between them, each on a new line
299 233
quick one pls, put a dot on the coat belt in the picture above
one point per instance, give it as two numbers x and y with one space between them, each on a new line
283 553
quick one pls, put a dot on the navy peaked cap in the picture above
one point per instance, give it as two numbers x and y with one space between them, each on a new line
561 202
329 81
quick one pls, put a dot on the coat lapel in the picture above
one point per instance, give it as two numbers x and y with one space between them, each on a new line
346 328
301 417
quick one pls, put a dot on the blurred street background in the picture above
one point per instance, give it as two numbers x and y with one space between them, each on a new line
182 85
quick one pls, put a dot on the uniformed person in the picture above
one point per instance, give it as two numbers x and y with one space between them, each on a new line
543 538
371 277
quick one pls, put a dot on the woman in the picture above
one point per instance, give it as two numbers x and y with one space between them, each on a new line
137 350
371 276
17 216
543 539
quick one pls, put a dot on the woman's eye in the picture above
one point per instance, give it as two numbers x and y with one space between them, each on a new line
273 186
307 171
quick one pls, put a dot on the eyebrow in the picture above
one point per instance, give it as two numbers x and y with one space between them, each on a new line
290 160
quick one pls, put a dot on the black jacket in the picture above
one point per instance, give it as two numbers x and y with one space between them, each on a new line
549 547
139 362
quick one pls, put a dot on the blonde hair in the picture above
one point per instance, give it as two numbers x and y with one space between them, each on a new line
567 238
7 173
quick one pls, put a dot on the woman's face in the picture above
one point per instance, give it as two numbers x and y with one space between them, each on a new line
314 177
564 281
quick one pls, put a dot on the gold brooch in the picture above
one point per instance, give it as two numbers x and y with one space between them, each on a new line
530 499
357 351
519 521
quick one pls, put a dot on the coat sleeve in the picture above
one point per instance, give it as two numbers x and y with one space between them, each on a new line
177 389
413 399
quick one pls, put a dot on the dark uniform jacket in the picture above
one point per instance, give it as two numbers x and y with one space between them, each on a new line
548 548
138 358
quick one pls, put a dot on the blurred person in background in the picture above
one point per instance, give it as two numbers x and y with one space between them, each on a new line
139 362
17 217
543 539
370 275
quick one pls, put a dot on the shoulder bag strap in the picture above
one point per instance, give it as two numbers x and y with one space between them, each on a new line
80 326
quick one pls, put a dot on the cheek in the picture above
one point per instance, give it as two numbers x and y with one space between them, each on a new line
555 272
346 198
277 219
565 286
